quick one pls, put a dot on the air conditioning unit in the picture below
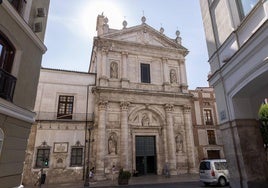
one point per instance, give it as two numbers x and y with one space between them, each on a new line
38 27
40 12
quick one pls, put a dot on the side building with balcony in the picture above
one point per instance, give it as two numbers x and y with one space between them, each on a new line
21 50
58 141
207 135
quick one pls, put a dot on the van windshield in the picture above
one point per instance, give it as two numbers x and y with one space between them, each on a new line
204 165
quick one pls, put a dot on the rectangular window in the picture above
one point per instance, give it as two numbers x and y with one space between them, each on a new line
211 137
245 6
208 117
65 107
213 154
76 156
145 73
42 158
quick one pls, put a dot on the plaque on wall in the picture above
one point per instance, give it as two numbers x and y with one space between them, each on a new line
60 147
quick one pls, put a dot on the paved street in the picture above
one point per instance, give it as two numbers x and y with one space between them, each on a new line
183 181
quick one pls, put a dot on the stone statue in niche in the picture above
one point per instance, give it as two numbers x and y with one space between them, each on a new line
145 120
114 70
112 144
179 143
173 76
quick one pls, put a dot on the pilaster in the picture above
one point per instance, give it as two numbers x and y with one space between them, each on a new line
189 139
104 78
124 80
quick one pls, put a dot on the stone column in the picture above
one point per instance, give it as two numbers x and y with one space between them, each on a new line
170 139
124 154
101 140
125 79
104 64
189 139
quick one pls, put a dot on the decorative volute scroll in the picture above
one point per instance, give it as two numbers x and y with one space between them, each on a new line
124 105
169 107
186 108
103 105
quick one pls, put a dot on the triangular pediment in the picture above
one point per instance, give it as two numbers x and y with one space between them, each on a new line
143 34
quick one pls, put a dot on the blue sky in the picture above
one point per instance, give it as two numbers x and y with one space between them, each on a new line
72 26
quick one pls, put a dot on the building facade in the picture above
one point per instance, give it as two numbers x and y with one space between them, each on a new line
236 35
21 50
137 104
58 141
142 102
207 135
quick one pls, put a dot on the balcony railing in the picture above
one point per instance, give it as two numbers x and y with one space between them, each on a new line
7 85
74 117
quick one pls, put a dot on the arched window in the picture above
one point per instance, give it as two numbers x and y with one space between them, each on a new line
7 52
1 139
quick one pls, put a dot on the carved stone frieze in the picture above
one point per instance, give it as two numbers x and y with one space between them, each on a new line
187 109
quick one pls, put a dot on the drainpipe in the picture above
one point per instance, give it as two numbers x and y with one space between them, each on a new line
85 167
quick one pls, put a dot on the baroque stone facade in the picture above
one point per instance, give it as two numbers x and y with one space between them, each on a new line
134 103
132 110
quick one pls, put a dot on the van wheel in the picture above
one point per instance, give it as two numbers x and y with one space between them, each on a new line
206 183
222 181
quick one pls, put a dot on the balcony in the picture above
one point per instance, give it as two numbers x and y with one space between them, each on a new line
7 85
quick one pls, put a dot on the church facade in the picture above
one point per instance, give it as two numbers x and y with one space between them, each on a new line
132 110
142 104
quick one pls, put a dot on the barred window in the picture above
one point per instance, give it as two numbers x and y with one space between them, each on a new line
42 158
65 107
76 156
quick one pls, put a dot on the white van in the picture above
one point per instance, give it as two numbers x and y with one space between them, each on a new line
214 171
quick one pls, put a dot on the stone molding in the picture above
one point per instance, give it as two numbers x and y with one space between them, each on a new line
187 109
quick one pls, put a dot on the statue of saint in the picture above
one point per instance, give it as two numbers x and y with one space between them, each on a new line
145 120
114 70
179 143
112 144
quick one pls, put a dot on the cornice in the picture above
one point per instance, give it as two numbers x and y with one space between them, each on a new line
9 109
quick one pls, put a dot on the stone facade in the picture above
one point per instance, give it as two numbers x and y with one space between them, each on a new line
129 107
137 104
52 131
